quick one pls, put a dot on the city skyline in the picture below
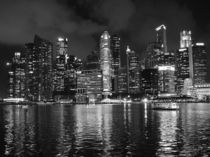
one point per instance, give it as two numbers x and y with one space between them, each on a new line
134 33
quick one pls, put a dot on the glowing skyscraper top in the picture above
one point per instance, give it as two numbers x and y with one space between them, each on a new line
161 37
185 39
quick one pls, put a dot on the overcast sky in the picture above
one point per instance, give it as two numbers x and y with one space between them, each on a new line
82 21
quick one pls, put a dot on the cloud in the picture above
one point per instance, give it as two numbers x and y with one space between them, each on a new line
24 18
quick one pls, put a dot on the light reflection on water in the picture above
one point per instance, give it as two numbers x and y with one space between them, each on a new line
104 130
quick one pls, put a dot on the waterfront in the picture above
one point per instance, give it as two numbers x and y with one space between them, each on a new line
104 130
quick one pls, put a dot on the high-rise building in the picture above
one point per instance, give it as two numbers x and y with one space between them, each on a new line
166 79
185 39
105 61
17 77
166 69
122 81
161 37
116 60
199 63
153 55
39 66
133 71
89 80
184 61
60 67
149 81
182 68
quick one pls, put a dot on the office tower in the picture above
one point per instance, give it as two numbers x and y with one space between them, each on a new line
185 39
116 62
89 80
122 81
199 63
153 55
182 68
105 60
60 67
149 79
74 64
133 71
166 69
161 37
184 61
39 67
17 77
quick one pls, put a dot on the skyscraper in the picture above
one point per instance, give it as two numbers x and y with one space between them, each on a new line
60 67
17 77
161 37
166 69
39 65
199 63
116 60
185 39
184 61
89 80
133 71
105 61
150 81
122 81
182 68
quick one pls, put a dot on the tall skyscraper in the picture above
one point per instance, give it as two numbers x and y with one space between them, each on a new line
116 60
89 80
161 37
39 65
166 69
17 77
182 68
199 63
184 61
133 71
105 61
60 67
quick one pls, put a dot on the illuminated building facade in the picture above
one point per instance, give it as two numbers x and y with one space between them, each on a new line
149 80
166 69
122 81
199 63
166 79
116 61
89 85
185 39
17 76
39 69
182 68
133 71
89 80
74 64
153 53
105 61
184 61
60 67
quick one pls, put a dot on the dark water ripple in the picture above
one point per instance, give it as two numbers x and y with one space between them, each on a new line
104 130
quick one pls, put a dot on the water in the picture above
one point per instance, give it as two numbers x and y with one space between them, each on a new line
104 130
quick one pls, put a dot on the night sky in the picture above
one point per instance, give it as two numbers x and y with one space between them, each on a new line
82 21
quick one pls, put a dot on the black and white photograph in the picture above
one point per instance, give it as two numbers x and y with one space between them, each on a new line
104 78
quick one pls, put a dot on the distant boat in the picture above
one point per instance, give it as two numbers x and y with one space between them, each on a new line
116 101
165 106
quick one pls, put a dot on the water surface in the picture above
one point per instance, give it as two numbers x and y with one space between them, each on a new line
104 130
